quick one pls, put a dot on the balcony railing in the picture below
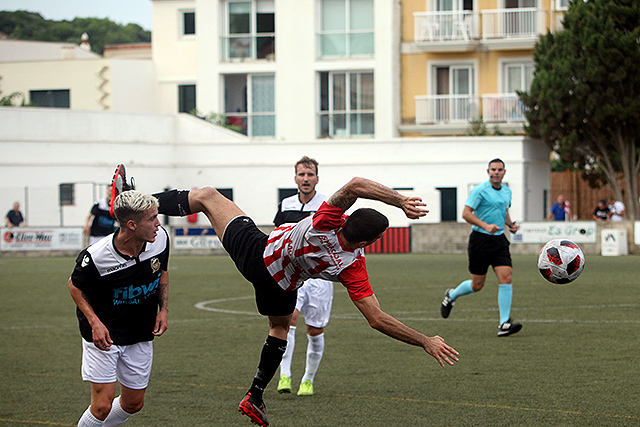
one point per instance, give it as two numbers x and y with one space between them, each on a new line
443 26
502 108
512 23
248 47
445 109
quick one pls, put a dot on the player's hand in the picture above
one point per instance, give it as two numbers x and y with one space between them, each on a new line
101 338
162 322
513 227
440 351
413 207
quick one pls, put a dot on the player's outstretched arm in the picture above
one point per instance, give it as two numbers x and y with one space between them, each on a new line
394 328
364 188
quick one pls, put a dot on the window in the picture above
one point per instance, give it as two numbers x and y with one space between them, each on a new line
249 30
521 18
346 104
50 98
67 195
448 203
186 98
450 5
518 76
249 103
562 4
188 23
346 28
454 89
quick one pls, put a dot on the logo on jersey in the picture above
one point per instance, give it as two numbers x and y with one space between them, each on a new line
155 264
85 261
135 294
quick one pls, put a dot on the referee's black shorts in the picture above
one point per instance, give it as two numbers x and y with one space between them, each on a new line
245 244
487 250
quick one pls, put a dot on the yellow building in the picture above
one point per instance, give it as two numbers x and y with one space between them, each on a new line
462 62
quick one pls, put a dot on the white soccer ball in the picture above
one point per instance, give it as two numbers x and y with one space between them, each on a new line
561 261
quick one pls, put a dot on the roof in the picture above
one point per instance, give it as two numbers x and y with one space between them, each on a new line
25 51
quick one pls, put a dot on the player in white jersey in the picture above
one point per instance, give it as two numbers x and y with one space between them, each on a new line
316 296
328 244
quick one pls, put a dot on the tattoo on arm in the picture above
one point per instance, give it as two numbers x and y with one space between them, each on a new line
163 296
342 199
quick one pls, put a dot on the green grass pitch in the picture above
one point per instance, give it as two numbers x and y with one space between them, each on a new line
575 363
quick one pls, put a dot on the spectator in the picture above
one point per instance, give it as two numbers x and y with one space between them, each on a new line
616 210
14 217
99 222
601 213
560 211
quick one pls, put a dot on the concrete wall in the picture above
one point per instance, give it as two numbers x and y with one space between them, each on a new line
42 148
452 238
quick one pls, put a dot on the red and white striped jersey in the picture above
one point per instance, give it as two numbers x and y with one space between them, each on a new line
312 249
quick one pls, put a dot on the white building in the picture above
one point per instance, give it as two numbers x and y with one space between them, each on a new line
317 78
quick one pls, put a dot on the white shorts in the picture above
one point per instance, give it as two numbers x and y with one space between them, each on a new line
129 364
314 302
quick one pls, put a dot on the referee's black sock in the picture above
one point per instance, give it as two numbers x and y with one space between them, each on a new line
270 359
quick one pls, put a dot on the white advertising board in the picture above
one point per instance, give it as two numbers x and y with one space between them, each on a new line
41 239
195 238
542 232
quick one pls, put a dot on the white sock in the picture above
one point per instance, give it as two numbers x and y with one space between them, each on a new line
88 420
285 365
117 416
315 350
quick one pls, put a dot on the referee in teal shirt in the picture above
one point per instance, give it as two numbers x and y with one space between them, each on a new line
487 210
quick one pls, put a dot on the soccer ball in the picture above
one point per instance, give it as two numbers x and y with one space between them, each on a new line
561 261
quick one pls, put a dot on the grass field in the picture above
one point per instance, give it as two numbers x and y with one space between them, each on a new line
575 363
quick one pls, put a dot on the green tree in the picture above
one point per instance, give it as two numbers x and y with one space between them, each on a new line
585 97
22 25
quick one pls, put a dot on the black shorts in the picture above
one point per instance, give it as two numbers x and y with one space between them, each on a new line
486 250
245 244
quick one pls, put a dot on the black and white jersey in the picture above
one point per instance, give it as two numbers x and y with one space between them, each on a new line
122 290
292 210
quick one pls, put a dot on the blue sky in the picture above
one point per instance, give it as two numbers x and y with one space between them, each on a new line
120 11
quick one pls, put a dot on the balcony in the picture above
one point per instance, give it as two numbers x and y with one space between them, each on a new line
502 108
248 47
445 31
452 114
512 28
444 109
451 31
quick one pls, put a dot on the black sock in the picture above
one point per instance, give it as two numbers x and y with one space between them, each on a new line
270 358
173 202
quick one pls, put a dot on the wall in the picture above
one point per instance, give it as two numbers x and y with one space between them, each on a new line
452 238
125 85
42 148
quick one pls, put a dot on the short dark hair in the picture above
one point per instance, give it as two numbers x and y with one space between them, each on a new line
364 225
495 161
307 162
